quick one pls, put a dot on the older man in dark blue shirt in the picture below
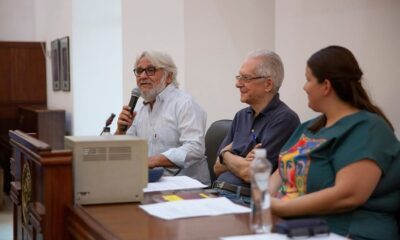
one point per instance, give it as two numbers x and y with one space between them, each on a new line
266 123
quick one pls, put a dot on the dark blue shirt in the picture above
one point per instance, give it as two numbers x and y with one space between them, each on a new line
272 128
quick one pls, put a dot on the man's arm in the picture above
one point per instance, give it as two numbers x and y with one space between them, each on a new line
160 161
191 124
219 168
238 165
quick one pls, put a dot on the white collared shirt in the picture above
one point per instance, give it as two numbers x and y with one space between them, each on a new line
175 128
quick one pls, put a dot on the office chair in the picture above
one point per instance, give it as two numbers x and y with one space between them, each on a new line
213 139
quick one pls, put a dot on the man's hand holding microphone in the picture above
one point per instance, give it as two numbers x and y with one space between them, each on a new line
126 117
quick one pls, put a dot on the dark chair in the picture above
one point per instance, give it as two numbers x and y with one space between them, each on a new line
213 139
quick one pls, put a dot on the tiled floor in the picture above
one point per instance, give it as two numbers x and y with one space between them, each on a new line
5 219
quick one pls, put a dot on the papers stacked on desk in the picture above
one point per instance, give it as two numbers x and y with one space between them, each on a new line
193 208
173 183
277 236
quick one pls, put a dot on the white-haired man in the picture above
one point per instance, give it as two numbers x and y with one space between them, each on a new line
266 123
171 121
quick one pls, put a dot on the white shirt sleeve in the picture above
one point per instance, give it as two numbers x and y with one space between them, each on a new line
191 126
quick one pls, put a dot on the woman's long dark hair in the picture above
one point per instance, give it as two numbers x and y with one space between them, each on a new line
339 66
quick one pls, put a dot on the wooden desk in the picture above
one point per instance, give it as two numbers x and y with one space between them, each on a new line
42 197
128 221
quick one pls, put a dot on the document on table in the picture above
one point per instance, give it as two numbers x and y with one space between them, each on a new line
269 236
173 183
193 208
278 236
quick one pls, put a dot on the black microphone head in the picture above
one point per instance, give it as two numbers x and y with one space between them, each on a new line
136 92
110 119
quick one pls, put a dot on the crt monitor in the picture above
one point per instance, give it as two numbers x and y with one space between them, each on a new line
108 169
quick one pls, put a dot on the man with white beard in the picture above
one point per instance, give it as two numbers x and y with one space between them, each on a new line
170 119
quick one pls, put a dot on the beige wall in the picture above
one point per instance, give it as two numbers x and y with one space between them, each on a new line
218 34
369 28
151 25
208 40
17 20
95 59
53 19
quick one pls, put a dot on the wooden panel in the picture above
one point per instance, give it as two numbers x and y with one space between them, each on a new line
29 75
79 225
22 81
22 73
5 74
48 187
48 124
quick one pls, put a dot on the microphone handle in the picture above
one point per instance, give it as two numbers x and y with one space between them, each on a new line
132 104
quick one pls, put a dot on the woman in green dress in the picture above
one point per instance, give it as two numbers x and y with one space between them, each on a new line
341 165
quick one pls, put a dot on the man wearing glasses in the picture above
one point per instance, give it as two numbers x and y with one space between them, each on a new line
171 121
266 123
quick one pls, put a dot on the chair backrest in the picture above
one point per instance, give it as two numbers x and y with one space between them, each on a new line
213 139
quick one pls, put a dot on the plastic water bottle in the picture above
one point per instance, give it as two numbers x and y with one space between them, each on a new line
260 216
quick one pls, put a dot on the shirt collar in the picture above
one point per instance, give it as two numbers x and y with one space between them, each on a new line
270 106
165 93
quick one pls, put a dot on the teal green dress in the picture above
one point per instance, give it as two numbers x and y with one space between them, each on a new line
309 162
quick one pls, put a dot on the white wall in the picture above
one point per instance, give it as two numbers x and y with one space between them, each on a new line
96 64
369 28
17 20
151 25
218 35
52 20
208 40
95 59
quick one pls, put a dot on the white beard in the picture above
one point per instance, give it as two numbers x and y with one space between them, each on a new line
151 95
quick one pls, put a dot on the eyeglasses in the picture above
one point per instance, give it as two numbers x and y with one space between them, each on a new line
249 79
150 71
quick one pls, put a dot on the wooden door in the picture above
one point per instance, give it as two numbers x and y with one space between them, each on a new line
22 82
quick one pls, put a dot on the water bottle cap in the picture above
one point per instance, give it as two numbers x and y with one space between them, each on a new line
260 153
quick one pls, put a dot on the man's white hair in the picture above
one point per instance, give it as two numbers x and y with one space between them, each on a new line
271 65
161 60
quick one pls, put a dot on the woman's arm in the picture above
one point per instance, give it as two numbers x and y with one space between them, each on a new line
354 184
275 182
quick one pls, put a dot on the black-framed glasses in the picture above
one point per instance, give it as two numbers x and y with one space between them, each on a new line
150 71
248 79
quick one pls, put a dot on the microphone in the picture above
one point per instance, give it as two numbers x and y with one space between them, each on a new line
135 94
110 120
106 129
